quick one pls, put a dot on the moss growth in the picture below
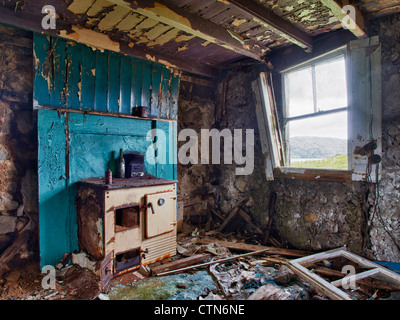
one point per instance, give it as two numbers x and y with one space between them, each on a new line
166 288
146 290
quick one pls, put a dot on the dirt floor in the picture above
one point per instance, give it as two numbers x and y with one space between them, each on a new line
25 283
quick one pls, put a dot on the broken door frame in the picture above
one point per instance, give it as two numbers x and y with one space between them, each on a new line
331 289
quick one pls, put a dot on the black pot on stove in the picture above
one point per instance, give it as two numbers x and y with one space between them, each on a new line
134 165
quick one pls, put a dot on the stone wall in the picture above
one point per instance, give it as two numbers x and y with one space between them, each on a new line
322 215
18 159
239 113
309 215
385 229
197 183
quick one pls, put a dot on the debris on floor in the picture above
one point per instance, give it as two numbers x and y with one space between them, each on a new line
211 265
72 283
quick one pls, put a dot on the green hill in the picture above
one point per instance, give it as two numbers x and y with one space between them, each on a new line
316 147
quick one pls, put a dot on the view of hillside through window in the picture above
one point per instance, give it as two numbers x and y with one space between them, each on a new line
316 115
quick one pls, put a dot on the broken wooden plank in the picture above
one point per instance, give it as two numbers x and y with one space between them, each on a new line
17 247
217 214
251 247
229 219
271 212
270 261
212 262
247 218
232 215
177 264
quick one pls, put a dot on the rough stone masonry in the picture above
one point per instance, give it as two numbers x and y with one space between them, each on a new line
18 160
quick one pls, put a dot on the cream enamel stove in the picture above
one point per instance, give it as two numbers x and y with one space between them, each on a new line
128 223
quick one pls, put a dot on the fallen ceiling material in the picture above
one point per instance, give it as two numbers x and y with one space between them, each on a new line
261 274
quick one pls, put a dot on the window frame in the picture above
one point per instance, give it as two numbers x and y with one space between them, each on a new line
363 76
325 58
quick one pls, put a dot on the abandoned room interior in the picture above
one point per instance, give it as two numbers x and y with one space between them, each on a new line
200 150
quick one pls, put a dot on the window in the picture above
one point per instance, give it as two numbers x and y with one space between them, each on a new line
315 114
331 116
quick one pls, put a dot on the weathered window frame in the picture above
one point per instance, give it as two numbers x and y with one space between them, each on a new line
363 65
309 64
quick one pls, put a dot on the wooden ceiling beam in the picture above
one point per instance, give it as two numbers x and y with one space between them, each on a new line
191 23
356 24
273 22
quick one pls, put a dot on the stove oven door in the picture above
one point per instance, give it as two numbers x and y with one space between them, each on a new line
160 213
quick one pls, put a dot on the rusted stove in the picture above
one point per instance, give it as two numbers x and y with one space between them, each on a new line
128 223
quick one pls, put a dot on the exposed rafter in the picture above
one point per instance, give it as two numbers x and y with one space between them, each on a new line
194 24
356 23
273 22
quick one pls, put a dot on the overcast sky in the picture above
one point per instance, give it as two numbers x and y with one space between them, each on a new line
331 93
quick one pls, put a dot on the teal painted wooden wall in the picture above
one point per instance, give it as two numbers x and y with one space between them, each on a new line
74 76
93 142
74 146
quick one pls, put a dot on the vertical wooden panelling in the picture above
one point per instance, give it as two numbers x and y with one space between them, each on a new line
88 78
101 88
173 102
146 84
126 85
57 96
133 82
40 85
72 75
113 82
165 94
155 91
138 88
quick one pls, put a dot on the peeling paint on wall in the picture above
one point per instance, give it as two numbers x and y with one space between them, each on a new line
80 77
92 38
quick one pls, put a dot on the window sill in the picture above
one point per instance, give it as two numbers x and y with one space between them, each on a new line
313 174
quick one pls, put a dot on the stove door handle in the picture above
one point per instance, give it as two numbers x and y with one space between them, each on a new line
151 206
